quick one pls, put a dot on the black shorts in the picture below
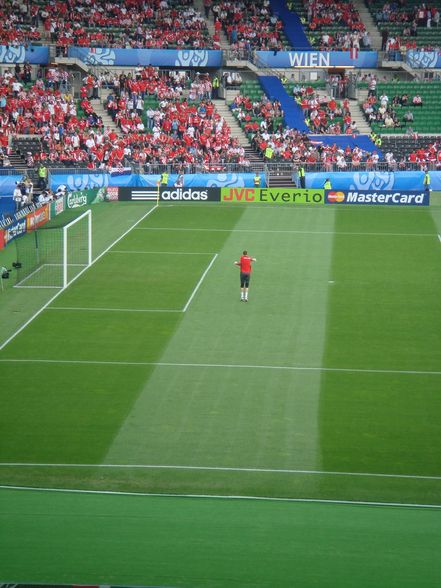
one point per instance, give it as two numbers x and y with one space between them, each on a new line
244 280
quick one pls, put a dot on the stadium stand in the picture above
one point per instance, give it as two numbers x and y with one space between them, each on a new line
250 24
407 24
398 106
413 152
161 117
262 120
135 23
170 128
332 25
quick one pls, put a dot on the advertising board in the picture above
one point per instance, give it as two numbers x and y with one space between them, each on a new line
58 206
382 197
38 218
170 194
273 195
15 230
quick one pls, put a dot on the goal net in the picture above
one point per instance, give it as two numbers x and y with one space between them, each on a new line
51 257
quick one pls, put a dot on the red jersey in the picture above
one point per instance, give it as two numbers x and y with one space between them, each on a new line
245 264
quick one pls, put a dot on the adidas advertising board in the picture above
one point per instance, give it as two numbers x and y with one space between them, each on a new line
381 197
171 194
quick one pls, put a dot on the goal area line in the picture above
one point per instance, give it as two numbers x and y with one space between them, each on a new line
21 283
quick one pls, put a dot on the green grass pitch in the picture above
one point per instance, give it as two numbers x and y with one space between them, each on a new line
148 375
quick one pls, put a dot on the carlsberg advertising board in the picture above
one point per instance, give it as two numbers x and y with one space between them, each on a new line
81 198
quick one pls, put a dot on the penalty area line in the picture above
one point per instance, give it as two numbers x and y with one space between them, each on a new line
219 497
196 288
36 314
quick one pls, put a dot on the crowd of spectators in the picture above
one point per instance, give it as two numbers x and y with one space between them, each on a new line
18 25
414 16
429 155
410 20
175 129
322 16
133 24
248 24
291 146
257 115
391 113
324 114
263 121
47 109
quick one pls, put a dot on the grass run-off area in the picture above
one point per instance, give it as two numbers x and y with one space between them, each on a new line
149 375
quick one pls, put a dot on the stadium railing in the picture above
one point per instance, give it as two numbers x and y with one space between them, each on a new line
276 167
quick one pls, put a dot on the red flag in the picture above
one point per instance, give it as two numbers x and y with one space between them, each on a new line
354 53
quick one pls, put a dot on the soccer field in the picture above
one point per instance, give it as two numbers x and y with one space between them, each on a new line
149 375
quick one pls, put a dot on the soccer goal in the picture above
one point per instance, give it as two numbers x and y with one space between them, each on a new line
51 257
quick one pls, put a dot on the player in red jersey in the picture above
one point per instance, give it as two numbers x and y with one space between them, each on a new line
245 272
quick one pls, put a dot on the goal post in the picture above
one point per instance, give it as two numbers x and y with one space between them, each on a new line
53 255
71 254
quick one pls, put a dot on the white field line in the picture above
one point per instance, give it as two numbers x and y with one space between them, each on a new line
220 497
439 237
196 288
282 231
19 285
33 274
217 469
293 368
34 316
162 252
91 309
40 287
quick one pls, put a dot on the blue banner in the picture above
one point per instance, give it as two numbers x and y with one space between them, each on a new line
316 59
378 180
7 184
98 180
423 59
157 57
382 197
21 54
7 205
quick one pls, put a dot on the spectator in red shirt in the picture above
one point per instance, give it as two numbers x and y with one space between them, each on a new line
245 273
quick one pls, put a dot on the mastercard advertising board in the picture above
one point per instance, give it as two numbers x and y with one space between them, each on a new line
381 197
